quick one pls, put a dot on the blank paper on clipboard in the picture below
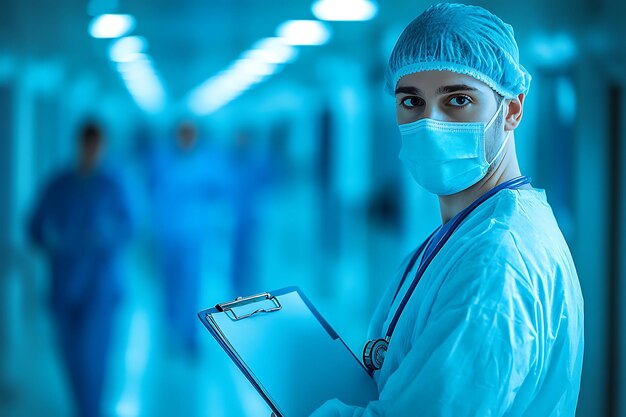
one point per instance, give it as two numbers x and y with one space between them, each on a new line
291 355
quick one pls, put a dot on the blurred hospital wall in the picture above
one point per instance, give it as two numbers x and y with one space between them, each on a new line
302 184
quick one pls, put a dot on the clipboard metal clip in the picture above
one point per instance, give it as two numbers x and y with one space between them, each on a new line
243 301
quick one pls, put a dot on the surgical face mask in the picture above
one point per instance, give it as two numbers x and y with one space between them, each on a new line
446 157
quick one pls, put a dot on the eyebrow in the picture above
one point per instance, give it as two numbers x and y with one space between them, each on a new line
456 87
445 89
409 90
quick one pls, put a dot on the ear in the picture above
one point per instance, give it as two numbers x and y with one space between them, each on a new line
514 113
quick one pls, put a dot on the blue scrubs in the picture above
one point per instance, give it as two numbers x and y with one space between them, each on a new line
187 183
250 175
81 222
494 328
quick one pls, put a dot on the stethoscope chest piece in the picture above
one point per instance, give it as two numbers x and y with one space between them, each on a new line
374 354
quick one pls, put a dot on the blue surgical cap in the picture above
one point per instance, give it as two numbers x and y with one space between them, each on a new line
463 39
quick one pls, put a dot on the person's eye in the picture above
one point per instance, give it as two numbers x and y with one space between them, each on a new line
411 102
460 101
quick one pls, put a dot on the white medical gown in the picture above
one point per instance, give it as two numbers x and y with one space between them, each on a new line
494 328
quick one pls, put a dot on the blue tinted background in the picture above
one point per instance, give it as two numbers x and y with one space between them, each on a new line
295 181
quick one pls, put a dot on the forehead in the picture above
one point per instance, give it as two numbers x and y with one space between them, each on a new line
431 81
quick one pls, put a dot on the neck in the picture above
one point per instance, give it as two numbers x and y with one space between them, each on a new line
507 169
86 168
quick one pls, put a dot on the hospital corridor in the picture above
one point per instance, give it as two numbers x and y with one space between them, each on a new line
159 158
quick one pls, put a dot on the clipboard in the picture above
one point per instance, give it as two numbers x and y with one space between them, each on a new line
288 352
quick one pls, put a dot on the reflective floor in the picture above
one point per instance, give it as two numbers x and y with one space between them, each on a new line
150 374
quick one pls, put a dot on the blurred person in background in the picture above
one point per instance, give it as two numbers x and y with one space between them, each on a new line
185 183
81 223
250 175
485 318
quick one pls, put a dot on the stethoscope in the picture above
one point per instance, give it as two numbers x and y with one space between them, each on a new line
375 350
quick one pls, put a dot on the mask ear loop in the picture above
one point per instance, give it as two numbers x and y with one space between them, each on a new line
506 138
493 118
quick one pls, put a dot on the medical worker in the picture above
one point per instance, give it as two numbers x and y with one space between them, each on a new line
81 222
250 177
486 317
186 185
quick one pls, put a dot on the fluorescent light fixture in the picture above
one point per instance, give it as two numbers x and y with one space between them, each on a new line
224 87
143 83
264 59
135 57
349 10
111 25
205 102
272 50
304 32
128 49
253 67
149 97
240 78
135 69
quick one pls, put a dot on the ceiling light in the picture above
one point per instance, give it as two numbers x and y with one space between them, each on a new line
304 32
128 49
352 10
272 50
111 25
